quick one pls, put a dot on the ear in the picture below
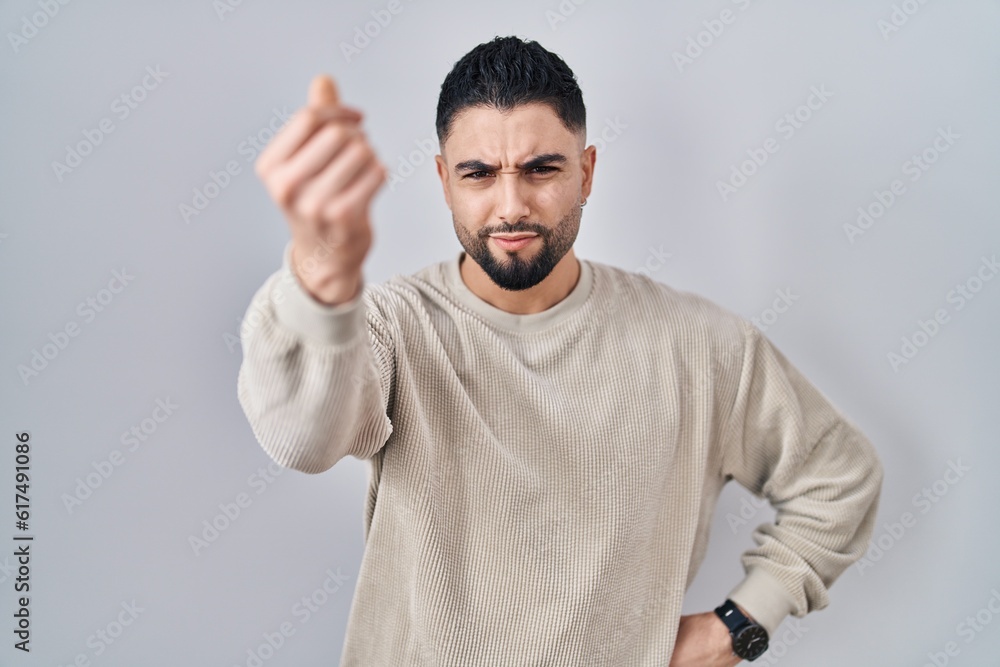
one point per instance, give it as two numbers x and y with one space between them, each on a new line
587 162
442 170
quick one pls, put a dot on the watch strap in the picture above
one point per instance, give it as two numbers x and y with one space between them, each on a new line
731 615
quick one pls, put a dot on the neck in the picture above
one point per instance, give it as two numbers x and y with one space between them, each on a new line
556 287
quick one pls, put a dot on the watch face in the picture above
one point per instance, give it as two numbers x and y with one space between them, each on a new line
750 642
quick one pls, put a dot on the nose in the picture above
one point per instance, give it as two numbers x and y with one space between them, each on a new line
512 202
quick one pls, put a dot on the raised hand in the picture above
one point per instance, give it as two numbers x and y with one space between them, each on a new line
322 173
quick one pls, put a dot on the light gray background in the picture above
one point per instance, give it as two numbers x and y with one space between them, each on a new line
171 332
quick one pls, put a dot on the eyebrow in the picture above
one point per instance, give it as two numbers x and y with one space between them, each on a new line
537 161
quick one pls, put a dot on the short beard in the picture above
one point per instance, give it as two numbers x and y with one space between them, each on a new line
516 274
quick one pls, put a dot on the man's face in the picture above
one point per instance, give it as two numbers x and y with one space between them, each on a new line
512 174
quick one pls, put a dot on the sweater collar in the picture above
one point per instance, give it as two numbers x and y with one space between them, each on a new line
513 321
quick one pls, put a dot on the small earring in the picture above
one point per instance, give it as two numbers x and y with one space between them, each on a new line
583 203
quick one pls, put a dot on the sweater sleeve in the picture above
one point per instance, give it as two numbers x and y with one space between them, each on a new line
315 380
785 441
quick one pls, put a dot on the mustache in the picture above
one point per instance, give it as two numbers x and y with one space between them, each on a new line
529 228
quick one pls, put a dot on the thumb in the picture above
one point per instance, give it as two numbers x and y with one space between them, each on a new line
323 92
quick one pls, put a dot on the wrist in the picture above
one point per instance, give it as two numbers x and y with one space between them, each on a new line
337 292
766 596
749 638
299 312
328 290
745 613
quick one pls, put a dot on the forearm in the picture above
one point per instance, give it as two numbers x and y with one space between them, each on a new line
820 473
310 383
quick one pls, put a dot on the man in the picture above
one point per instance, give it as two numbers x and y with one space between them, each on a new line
547 436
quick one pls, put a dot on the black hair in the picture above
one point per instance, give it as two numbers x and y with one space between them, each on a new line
508 72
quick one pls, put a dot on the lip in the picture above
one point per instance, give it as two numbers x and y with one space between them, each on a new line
513 244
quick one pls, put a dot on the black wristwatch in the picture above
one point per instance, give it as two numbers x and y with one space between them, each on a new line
749 638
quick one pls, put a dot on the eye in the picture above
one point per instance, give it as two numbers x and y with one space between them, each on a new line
476 175
545 170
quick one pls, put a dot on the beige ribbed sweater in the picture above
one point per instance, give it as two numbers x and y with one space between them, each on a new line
542 486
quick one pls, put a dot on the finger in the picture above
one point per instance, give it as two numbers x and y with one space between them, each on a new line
287 178
358 193
323 92
319 148
338 113
334 178
293 135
